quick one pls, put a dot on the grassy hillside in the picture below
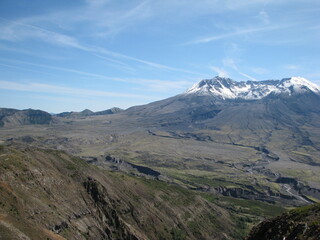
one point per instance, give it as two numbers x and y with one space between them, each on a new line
47 194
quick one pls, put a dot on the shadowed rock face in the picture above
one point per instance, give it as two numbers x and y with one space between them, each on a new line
299 224
106 213
120 165
13 117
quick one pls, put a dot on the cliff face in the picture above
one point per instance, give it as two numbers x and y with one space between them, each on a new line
46 194
299 224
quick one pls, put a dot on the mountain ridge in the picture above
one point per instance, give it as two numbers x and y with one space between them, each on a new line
14 117
88 112
226 88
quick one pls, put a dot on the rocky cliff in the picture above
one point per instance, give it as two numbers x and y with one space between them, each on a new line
299 224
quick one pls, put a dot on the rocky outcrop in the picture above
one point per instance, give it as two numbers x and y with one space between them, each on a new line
299 224
122 165
115 228
301 188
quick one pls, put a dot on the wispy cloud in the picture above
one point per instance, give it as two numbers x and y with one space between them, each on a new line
18 31
149 63
229 62
6 48
221 72
47 88
23 68
96 3
165 86
69 70
291 67
186 10
12 33
259 70
122 21
148 84
247 76
95 17
264 17
118 64
237 32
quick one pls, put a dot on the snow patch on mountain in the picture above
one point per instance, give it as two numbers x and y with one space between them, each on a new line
297 84
226 88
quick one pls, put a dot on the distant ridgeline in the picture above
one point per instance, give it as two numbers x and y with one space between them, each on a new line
14 117
88 112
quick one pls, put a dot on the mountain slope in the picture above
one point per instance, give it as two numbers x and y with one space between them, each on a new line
198 136
299 224
73 200
209 98
13 117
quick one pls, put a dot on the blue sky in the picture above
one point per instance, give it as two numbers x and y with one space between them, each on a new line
59 55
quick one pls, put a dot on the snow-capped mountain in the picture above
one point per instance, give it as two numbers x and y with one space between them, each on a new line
226 88
207 105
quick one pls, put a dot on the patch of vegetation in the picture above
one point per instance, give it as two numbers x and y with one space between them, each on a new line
253 207
195 228
177 234
241 226
301 153
302 212
176 195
